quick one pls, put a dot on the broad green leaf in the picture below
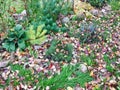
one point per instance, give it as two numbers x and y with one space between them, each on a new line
20 33
6 46
11 39
18 27
12 46
21 44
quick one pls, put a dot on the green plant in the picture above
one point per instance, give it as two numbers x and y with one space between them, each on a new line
6 21
88 59
23 72
63 79
59 52
47 11
109 61
16 38
36 36
115 4
32 52
87 33
52 8
106 35
97 3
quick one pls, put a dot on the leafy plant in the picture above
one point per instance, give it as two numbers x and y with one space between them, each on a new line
88 59
109 61
47 11
16 38
59 52
115 4
6 21
87 33
97 3
32 52
23 72
52 8
36 36
106 35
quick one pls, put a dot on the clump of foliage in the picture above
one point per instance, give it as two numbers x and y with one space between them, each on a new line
109 63
115 4
23 72
89 60
69 76
97 3
19 38
59 52
47 11
52 8
36 36
87 33
106 35
62 80
15 38
6 20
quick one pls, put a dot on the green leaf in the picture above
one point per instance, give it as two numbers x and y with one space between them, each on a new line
12 46
11 39
18 27
30 34
39 30
21 44
6 45
20 33
38 41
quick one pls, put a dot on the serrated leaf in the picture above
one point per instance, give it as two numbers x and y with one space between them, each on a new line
43 33
30 34
38 41
39 30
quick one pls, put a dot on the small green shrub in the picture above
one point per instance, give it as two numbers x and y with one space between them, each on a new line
115 4
47 11
16 38
59 52
87 33
106 35
6 21
97 3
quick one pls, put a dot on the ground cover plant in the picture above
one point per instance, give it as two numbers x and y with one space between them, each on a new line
59 45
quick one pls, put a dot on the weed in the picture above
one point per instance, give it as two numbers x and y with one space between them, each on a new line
97 3
87 33
88 59
23 72
109 61
59 52
115 4
6 21
62 80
